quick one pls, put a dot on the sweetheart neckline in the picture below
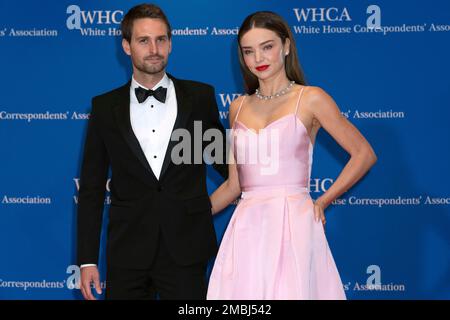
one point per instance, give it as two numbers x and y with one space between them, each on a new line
277 120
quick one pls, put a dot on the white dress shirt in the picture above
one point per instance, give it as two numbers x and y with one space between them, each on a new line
152 122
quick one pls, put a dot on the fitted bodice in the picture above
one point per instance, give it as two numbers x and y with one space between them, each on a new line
280 154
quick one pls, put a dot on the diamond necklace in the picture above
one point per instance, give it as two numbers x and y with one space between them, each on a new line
275 95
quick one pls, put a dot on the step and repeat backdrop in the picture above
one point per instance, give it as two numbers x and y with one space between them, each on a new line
386 64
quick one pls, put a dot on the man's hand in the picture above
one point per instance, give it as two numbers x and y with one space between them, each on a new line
89 275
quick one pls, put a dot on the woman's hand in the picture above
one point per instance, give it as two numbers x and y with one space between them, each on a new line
319 212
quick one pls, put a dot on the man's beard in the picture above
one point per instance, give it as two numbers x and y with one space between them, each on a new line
152 68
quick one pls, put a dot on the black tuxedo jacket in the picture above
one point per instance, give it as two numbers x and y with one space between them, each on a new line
177 205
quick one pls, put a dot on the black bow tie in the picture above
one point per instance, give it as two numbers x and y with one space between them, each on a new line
142 94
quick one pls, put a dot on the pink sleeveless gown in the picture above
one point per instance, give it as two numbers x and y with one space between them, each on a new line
273 248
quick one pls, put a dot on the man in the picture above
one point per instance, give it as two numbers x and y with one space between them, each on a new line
160 232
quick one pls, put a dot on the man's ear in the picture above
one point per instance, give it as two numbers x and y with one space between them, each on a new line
126 46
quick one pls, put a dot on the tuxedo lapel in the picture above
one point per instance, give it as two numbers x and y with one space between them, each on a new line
184 109
121 112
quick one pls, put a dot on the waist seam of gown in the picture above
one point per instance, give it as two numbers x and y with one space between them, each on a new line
274 191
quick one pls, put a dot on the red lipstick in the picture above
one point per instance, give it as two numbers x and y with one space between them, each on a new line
262 68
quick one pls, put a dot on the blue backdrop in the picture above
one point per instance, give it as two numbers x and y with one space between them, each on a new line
392 229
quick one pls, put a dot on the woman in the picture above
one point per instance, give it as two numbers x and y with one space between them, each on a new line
275 246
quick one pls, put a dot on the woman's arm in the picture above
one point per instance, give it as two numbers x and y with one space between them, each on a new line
327 113
230 189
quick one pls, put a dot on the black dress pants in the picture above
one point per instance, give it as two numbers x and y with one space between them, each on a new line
164 279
